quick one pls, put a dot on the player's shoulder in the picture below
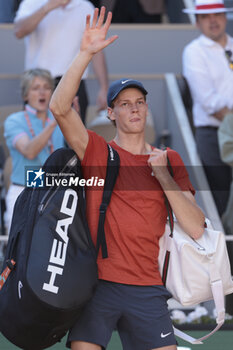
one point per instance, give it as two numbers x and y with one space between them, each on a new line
174 157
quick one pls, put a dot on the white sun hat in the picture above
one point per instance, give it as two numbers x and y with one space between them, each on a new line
208 6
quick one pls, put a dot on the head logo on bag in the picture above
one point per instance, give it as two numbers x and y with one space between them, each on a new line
59 247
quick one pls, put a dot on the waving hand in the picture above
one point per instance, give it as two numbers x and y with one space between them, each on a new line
94 37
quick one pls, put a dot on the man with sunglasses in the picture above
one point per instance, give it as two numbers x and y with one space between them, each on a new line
208 69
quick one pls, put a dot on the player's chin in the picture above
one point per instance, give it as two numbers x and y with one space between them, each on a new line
136 130
138 126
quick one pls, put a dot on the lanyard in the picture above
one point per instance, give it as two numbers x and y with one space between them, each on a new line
50 144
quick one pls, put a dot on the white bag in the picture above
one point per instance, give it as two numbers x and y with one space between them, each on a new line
196 270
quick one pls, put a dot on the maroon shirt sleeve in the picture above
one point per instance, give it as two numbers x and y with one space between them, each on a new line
180 173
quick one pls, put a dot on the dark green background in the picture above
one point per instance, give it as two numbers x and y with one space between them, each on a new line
222 340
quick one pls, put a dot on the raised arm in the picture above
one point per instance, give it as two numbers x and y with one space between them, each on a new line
28 24
100 69
93 41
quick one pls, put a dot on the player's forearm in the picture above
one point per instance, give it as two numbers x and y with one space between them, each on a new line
27 25
183 204
100 70
67 88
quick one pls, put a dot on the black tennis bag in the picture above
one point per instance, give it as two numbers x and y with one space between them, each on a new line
50 271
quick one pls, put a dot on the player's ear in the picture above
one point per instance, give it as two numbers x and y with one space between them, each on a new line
111 114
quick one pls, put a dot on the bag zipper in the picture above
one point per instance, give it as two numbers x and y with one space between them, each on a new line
199 246
44 202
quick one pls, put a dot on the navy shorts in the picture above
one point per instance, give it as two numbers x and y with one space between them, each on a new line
139 314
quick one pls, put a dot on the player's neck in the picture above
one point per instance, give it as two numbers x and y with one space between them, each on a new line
133 144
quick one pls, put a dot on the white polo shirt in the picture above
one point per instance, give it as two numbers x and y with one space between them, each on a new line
56 40
210 78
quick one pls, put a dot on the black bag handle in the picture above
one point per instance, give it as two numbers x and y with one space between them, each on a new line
110 180
167 204
171 224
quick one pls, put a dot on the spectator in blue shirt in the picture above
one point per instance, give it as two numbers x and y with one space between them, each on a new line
32 134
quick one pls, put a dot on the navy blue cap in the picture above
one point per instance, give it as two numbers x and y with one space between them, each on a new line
117 86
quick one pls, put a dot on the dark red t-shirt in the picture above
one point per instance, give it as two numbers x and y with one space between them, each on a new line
136 215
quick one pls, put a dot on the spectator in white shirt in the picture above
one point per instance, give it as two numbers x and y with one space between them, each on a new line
208 69
53 30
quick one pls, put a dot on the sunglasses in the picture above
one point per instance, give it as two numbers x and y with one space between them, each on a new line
228 54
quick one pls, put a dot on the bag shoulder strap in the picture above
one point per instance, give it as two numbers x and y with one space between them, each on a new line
195 341
110 180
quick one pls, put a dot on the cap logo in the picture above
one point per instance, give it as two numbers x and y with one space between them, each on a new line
125 81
